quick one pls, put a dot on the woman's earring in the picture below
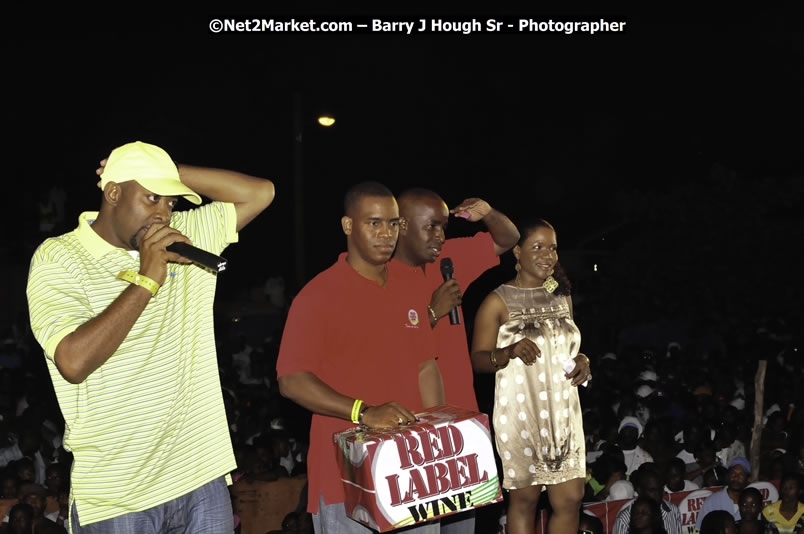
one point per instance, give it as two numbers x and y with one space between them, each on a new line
550 284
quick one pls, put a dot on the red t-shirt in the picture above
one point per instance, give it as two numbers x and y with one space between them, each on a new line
471 257
363 340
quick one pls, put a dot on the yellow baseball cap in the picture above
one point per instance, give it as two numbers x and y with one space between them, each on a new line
149 166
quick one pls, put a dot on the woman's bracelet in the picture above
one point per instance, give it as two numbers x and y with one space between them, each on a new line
494 363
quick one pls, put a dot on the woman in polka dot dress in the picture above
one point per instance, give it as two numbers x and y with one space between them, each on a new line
524 333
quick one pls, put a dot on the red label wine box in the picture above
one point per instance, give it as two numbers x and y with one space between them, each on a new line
441 465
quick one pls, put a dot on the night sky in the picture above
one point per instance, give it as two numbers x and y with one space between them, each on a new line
591 132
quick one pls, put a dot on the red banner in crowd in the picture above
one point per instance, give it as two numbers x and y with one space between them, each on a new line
689 504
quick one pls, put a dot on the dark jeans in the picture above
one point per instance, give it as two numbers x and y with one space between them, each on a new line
206 510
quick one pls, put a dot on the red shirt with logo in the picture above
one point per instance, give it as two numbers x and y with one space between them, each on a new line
471 257
363 340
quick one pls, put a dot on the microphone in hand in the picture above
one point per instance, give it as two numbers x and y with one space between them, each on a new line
198 256
447 270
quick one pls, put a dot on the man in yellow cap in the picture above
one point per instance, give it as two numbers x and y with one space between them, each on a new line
126 328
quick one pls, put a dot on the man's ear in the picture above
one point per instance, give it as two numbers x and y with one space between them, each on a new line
112 193
403 226
346 224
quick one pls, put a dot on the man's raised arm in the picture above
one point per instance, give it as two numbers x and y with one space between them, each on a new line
249 194
503 232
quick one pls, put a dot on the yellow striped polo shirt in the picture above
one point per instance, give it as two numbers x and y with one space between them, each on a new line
148 425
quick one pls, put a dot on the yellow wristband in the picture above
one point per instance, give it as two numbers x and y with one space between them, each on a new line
139 280
356 410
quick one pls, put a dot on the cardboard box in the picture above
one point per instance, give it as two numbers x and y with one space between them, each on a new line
441 465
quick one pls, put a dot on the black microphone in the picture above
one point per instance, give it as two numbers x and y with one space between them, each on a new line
201 257
446 272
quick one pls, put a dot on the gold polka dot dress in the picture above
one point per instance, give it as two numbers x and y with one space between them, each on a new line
537 414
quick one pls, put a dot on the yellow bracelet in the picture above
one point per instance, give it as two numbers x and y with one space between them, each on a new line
356 411
139 280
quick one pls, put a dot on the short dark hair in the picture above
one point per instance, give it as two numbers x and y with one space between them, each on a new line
646 471
27 509
790 475
752 491
656 521
677 463
364 189
715 522
419 192
29 488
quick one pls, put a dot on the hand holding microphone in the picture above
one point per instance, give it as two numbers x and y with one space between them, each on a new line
155 253
446 272
446 297
196 255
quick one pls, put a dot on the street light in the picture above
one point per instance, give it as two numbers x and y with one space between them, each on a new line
325 120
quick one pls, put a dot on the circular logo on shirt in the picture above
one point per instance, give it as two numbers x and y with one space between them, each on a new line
413 317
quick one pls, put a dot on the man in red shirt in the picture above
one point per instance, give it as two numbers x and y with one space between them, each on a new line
353 334
421 241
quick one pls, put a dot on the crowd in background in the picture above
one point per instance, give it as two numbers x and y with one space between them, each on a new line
681 413
678 414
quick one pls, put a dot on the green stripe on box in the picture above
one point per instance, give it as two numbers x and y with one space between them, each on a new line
485 493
